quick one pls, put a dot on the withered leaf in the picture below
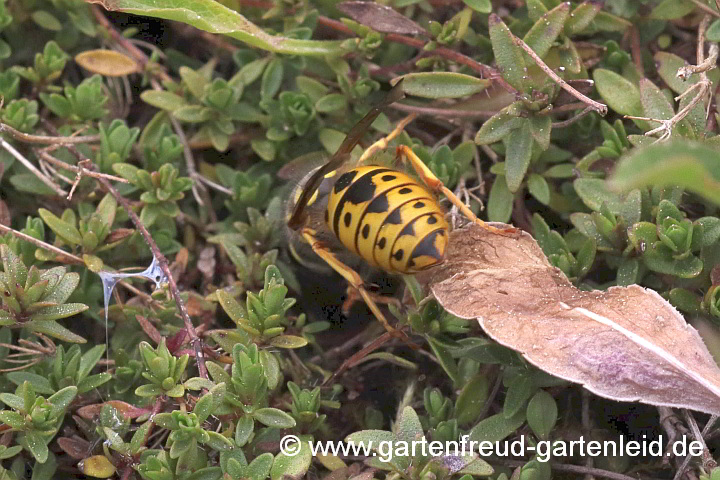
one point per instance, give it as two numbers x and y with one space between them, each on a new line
626 343
76 447
107 62
90 412
380 18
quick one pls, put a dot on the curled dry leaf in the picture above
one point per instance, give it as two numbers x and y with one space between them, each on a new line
107 62
380 18
626 343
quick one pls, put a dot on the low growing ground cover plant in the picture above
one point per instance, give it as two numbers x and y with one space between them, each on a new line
158 323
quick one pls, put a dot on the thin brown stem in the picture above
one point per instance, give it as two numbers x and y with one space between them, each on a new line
596 106
29 165
45 246
73 168
195 341
457 57
573 119
47 140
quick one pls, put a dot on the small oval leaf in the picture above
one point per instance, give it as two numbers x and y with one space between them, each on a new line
107 62
441 84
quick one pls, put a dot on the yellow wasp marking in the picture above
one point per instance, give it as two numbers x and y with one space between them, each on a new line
387 218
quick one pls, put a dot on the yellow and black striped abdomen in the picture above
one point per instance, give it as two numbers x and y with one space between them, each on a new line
387 218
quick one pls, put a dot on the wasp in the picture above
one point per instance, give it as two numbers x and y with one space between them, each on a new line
385 216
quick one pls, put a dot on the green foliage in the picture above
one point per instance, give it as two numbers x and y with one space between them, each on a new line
160 190
84 102
34 299
163 370
35 418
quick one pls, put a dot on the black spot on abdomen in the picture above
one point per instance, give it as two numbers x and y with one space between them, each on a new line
361 190
344 180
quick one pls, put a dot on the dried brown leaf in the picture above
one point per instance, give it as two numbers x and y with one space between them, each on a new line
626 343
380 18
90 412
149 329
107 62
74 446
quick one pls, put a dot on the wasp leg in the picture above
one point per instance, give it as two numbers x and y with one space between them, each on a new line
436 185
353 295
382 144
355 281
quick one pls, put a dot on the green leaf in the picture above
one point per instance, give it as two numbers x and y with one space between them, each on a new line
619 93
294 466
214 17
518 155
655 104
546 29
408 428
594 192
40 383
194 81
471 400
46 20
219 442
260 467
518 392
67 232
271 79
498 126
243 430
541 128
57 312
539 188
683 163
495 428
90 359
55 330
163 100
62 398
441 84
273 417
480 6
333 102
231 306
500 201
370 437
672 9
445 358
713 32
508 56
542 414
37 446
582 17
13 419
288 341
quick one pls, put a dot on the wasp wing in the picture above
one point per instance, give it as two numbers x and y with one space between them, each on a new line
342 155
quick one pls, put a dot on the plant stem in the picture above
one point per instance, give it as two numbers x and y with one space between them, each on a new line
28 164
195 341
596 106
457 57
